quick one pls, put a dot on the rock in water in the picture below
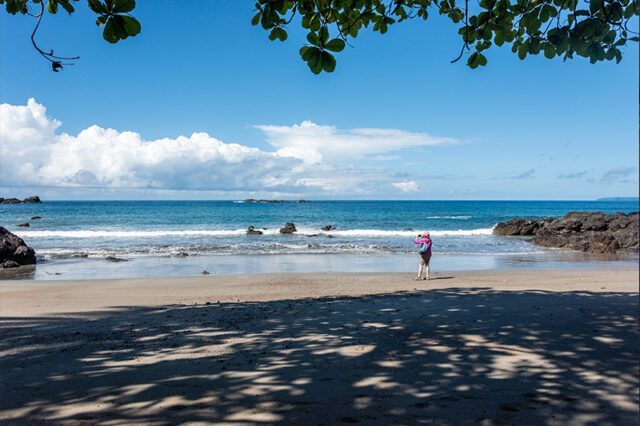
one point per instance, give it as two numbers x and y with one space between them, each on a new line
14 249
328 228
33 199
10 201
36 218
253 231
115 259
585 231
289 228
23 225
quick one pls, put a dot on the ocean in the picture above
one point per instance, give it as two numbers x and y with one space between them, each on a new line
164 238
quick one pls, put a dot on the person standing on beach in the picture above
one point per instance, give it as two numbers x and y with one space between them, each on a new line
425 255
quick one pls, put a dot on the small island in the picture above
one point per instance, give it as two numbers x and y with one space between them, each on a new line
29 200
255 201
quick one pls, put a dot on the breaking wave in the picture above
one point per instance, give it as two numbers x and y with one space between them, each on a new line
362 233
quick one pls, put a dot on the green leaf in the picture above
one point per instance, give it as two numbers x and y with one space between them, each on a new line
549 51
67 6
98 7
256 19
313 39
109 32
123 6
131 25
595 6
522 51
52 6
324 35
328 61
335 45
476 59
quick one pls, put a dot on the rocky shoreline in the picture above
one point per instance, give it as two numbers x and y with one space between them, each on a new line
591 232
14 251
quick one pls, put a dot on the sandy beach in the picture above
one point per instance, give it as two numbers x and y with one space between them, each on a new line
510 347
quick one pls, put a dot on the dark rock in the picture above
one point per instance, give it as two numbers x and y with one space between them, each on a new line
23 225
253 231
9 264
253 200
10 201
33 199
13 248
517 227
289 228
36 217
115 259
181 254
328 228
585 231
204 273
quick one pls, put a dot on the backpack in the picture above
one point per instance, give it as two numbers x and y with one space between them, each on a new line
424 248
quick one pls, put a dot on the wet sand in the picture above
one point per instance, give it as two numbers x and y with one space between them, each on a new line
510 347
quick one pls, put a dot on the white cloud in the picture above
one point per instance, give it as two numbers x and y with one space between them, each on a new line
32 153
306 158
313 143
406 186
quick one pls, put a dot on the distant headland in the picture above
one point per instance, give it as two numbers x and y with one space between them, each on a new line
618 199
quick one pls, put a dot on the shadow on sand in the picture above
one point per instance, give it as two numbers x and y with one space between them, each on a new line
451 356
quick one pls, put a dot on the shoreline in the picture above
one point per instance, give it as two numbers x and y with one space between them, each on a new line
242 264
549 347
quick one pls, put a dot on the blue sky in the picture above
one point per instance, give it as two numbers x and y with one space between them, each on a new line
534 129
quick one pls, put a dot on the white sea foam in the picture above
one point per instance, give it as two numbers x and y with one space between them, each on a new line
358 233
449 217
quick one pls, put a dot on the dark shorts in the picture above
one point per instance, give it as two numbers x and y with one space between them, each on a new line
426 257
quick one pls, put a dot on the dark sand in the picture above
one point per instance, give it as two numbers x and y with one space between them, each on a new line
518 348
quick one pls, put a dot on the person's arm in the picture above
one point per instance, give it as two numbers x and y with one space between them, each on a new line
419 240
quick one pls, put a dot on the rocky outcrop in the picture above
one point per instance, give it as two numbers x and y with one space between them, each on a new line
289 228
13 250
328 228
10 201
592 232
517 227
23 225
253 200
253 231
115 259
29 200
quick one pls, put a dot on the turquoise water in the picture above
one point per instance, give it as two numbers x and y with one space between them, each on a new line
77 236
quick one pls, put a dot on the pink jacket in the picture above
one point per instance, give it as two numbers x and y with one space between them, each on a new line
427 241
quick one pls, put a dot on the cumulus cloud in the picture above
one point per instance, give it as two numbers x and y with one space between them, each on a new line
33 153
313 143
406 186
617 175
576 175
305 158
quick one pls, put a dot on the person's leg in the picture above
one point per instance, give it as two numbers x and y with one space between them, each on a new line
420 268
428 268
